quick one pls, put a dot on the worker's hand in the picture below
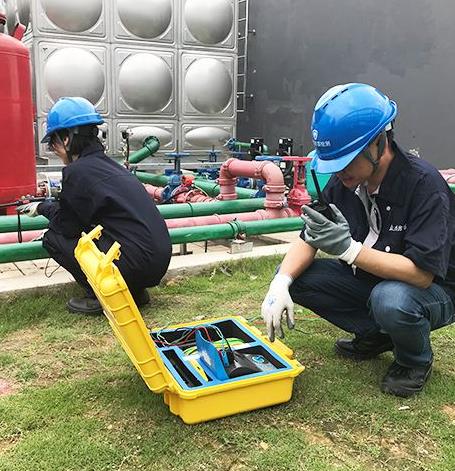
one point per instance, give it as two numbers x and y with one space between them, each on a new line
332 237
29 209
277 302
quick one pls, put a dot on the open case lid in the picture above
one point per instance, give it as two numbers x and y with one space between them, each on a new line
121 310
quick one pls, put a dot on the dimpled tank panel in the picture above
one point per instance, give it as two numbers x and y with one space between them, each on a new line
208 85
209 21
145 18
73 71
207 136
23 10
139 133
73 15
145 82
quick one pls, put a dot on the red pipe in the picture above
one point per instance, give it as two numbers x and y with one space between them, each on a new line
194 195
13 238
183 194
156 192
258 215
449 175
274 182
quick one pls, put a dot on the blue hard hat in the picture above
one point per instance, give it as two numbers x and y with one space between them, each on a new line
345 120
70 112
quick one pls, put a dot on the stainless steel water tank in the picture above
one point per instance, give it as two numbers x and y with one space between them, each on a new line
145 80
146 19
209 22
208 85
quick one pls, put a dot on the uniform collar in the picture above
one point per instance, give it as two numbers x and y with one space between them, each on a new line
92 149
393 186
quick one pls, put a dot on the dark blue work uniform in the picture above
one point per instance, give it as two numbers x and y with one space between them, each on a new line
97 190
417 211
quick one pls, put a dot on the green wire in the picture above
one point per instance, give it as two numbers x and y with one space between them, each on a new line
217 344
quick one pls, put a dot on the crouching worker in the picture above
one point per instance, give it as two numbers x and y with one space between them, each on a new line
97 190
392 233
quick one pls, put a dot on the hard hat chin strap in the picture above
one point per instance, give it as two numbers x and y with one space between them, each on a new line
382 141
69 146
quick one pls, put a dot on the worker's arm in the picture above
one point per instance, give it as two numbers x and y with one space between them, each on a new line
334 237
278 301
298 259
392 266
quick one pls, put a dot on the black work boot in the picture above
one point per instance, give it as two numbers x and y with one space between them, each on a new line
403 381
141 297
364 348
86 305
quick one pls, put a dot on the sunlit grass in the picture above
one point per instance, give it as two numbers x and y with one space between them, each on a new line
77 403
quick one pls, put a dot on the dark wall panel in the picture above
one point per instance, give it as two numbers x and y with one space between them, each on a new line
404 47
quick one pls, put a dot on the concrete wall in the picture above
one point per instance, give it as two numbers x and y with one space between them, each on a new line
303 47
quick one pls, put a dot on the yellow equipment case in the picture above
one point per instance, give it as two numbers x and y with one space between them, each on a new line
187 362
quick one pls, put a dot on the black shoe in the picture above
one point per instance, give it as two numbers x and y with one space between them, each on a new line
141 298
403 381
364 348
86 305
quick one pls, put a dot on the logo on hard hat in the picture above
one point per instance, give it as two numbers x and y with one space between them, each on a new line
317 143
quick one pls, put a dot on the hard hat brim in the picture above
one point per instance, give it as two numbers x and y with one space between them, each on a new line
334 165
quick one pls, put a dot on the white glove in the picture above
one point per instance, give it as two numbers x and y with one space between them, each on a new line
276 302
29 209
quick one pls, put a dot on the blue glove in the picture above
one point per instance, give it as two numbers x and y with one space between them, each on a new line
332 237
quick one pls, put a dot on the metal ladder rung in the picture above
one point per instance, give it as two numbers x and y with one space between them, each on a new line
242 44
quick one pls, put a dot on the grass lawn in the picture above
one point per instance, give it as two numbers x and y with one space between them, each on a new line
71 399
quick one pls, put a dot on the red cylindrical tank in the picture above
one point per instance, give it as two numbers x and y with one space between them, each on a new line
17 153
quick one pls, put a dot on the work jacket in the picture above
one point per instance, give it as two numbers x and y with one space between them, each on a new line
97 190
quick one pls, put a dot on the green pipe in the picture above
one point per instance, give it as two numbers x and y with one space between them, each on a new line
208 186
246 146
213 189
151 179
21 252
234 228
168 211
32 250
242 145
9 223
150 145
185 210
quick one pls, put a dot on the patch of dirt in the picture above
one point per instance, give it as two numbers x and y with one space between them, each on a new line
52 361
313 437
6 389
396 449
21 339
8 443
449 410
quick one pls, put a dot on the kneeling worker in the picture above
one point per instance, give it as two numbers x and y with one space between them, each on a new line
97 190
392 232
